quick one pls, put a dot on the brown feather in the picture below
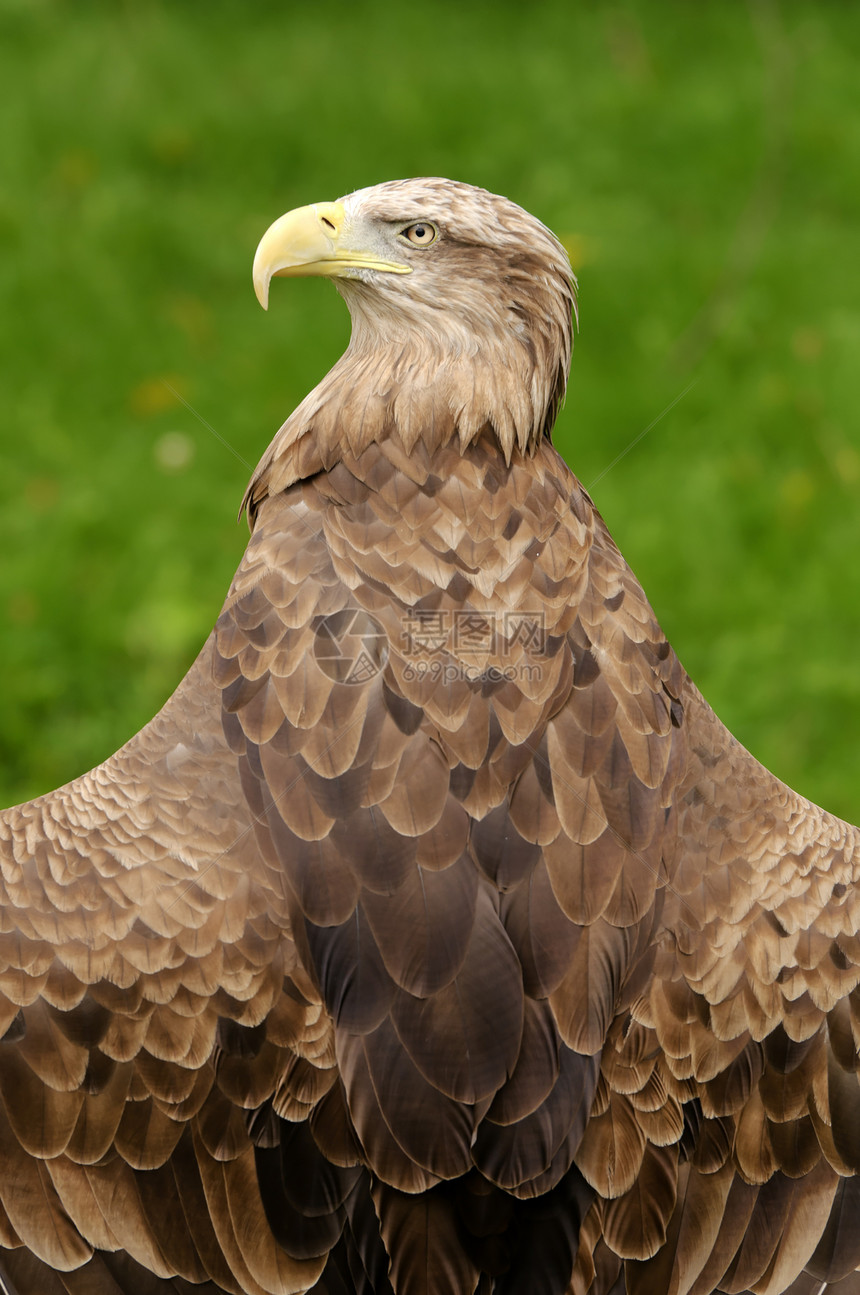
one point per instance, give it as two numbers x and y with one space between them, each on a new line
635 1223
810 1205
611 1152
422 1235
691 1234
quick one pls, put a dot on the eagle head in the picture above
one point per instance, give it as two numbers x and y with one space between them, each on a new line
461 306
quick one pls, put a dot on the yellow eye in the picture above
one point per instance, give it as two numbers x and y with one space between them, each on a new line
422 234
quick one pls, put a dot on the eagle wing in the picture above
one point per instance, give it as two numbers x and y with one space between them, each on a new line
149 996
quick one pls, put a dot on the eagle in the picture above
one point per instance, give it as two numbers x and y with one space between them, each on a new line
435 938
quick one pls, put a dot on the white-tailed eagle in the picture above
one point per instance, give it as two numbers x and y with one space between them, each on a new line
436 937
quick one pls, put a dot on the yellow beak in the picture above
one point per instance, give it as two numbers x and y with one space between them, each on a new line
314 240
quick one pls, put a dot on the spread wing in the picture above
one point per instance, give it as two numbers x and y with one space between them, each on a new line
435 929
149 996
755 1008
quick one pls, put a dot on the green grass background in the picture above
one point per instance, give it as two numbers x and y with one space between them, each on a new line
700 160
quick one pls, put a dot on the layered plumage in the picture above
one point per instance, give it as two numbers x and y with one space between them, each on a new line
435 936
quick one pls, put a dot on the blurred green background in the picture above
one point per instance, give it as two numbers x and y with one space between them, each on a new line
701 163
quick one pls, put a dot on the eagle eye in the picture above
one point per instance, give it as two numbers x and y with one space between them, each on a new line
421 234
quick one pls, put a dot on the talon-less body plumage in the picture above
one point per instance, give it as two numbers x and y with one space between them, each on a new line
481 959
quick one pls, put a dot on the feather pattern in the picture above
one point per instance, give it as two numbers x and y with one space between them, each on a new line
435 937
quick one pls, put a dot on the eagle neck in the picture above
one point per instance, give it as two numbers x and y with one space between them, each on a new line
419 392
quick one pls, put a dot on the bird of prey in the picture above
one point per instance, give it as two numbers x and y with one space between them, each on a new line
436 937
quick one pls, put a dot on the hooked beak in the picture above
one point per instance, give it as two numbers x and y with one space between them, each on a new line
316 240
